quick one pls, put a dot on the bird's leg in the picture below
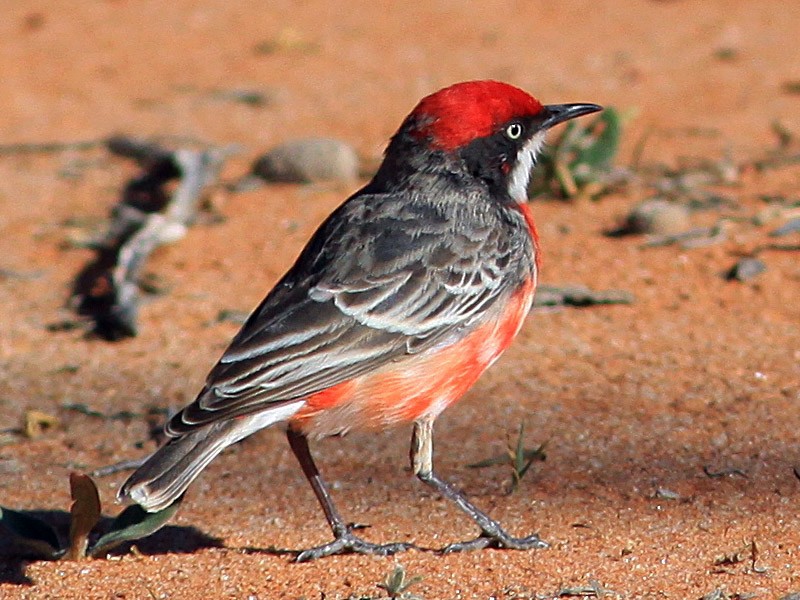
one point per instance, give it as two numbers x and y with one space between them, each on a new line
492 534
345 541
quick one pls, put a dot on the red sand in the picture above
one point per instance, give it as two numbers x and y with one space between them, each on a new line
630 400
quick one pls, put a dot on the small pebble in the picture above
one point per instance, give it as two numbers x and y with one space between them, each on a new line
250 97
791 226
308 160
657 216
746 268
667 494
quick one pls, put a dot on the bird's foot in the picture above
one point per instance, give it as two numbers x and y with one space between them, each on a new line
497 539
348 543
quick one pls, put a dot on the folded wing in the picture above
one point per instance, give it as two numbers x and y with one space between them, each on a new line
381 279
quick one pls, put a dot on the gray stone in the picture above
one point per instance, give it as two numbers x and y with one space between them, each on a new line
657 216
307 161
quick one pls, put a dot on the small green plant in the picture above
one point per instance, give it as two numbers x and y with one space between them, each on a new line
396 584
579 161
517 456
40 540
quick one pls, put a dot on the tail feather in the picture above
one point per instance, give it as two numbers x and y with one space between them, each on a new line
169 471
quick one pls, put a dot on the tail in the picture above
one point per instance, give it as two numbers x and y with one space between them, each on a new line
169 471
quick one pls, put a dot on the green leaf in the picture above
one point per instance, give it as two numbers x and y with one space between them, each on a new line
85 512
575 164
133 523
599 148
31 533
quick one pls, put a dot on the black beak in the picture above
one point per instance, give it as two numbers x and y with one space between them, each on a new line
558 113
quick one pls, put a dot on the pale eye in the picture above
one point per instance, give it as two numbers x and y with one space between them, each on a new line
514 131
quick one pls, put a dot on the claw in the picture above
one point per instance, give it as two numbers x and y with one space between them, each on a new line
351 544
498 540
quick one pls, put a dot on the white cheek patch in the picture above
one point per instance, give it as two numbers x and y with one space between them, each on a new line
521 173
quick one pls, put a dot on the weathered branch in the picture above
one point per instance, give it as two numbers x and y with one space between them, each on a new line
147 216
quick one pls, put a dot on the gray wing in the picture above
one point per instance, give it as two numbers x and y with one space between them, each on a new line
381 278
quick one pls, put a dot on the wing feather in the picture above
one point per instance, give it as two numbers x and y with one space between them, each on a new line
382 278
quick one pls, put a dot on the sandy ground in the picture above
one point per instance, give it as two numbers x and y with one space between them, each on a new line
632 401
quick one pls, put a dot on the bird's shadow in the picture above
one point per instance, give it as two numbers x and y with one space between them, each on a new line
170 539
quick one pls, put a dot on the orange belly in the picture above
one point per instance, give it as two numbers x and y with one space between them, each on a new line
417 386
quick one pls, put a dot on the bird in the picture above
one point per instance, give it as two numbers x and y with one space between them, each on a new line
399 301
